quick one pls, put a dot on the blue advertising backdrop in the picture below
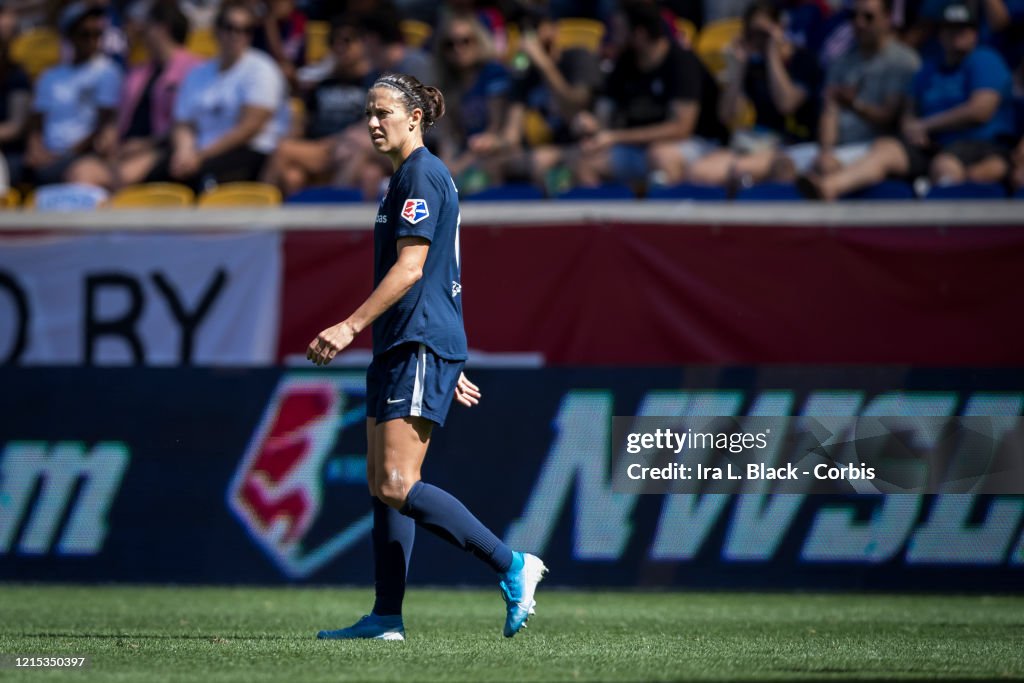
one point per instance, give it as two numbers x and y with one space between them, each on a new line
257 476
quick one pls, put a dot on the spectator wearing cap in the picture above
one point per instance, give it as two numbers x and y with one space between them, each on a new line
231 111
145 115
958 124
657 113
74 111
995 20
335 113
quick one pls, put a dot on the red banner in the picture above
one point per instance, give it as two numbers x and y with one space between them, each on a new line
628 294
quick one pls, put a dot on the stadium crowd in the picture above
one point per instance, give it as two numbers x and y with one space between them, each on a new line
830 98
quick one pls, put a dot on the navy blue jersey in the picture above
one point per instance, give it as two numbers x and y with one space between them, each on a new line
422 201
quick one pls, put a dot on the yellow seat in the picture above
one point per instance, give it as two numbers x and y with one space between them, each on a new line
318 40
202 42
36 50
137 53
11 199
153 195
536 129
415 33
297 117
746 116
240 194
713 43
512 38
578 32
687 31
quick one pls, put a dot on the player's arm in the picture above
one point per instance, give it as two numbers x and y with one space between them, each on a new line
408 269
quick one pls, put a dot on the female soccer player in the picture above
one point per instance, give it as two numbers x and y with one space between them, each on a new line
419 349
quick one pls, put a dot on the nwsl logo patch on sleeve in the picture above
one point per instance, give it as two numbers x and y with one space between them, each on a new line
415 210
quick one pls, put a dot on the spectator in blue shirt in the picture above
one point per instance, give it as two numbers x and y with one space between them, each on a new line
958 126
476 88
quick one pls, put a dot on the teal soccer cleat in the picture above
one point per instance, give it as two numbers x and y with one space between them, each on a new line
371 626
517 587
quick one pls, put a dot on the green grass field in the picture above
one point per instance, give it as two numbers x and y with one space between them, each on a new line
226 634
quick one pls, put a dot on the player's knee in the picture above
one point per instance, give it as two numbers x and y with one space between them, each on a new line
392 497
393 489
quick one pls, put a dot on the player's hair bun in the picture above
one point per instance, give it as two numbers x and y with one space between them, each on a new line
415 95
435 103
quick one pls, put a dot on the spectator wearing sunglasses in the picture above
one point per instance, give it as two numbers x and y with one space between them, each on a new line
74 111
864 93
231 110
476 88
957 127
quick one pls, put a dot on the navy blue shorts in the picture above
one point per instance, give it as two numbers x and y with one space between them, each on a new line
411 380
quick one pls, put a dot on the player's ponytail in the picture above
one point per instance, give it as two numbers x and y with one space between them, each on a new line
415 95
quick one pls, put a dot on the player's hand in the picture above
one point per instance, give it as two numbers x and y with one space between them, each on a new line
467 393
329 343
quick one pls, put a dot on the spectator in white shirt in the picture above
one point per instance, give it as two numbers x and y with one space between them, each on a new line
74 111
230 112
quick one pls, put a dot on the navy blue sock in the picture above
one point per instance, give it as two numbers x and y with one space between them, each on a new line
393 534
442 514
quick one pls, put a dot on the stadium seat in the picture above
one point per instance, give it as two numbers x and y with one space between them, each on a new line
688 191
579 32
318 40
154 195
10 199
507 193
713 41
234 195
36 50
415 33
686 31
511 44
536 130
202 42
746 116
67 197
967 191
326 194
770 192
138 53
610 191
885 190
